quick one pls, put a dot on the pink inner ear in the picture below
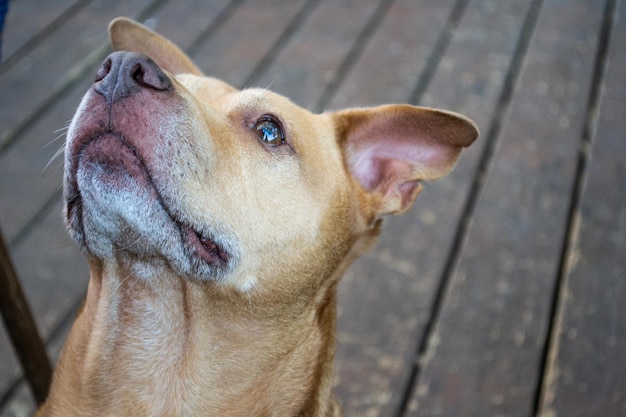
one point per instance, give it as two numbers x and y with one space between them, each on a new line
390 149
398 160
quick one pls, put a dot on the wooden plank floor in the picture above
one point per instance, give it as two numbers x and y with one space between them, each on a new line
500 294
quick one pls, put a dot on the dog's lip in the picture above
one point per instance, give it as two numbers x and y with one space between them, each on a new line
199 244
205 248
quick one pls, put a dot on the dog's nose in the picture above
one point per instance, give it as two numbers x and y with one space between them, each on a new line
124 73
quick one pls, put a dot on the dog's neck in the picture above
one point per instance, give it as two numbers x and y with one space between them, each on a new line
178 347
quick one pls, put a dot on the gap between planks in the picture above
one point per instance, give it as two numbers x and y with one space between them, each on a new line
551 340
357 48
492 140
40 36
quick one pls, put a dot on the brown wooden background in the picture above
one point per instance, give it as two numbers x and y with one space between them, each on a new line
502 293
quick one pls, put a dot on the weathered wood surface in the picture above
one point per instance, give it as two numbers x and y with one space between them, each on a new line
20 325
500 293
587 364
499 299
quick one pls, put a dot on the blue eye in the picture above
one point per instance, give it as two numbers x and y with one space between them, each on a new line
270 131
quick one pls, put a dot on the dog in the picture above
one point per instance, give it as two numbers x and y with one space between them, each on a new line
217 224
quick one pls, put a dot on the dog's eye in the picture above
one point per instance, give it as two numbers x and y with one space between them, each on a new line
270 131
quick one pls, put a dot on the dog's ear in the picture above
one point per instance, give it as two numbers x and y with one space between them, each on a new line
390 149
128 35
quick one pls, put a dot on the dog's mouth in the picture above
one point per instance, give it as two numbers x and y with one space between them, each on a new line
205 248
109 176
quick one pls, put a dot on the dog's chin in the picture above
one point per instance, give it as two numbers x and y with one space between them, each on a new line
115 212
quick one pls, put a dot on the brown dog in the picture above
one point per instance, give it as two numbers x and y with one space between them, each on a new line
217 224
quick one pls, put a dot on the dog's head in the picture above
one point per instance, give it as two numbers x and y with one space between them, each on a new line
171 172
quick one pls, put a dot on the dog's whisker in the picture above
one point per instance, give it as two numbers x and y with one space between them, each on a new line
56 155
61 132
269 86
65 127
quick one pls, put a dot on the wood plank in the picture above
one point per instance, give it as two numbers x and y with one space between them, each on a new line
241 42
28 187
485 355
28 21
392 62
19 402
587 371
29 177
196 16
20 325
386 299
54 278
314 54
